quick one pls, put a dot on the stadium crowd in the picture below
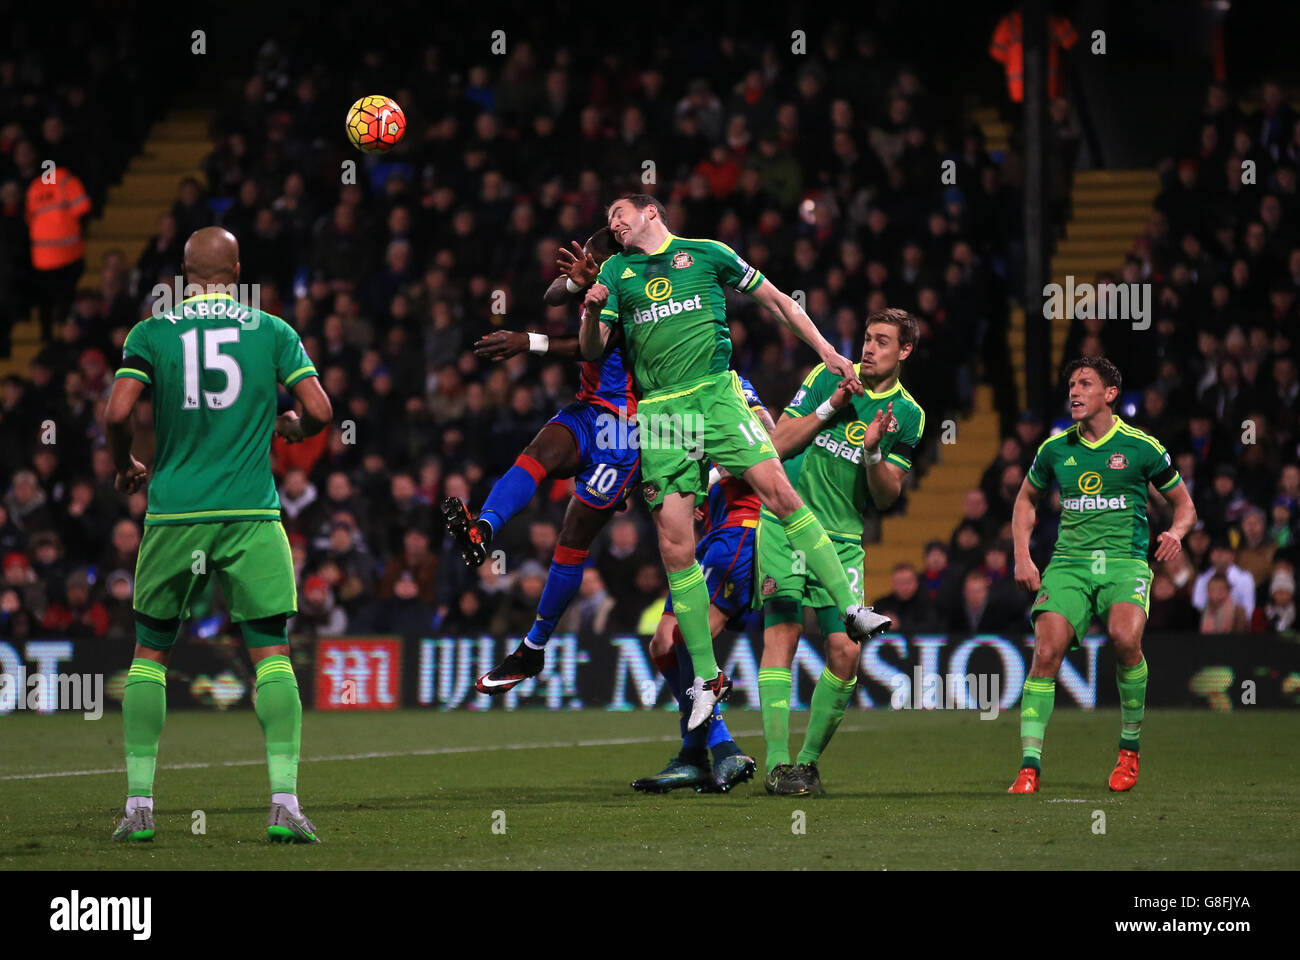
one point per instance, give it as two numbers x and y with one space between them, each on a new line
824 177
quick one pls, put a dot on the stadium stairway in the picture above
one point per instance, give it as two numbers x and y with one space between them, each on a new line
934 504
1110 209
175 148
997 133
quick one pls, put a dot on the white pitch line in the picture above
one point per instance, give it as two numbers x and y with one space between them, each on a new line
383 755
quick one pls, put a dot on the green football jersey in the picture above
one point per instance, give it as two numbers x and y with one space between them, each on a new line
1103 489
213 364
672 309
828 473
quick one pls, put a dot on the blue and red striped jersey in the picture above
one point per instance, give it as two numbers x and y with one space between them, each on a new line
607 383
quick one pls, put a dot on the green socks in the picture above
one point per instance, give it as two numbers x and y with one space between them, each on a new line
1035 710
144 708
807 535
774 700
1132 683
830 699
691 607
279 711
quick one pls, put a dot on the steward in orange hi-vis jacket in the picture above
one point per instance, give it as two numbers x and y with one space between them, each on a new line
54 212
1008 48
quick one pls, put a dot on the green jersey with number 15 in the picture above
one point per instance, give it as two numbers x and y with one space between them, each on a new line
214 364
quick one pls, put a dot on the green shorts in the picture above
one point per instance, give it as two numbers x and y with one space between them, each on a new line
251 559
682 429
1073 590
784 584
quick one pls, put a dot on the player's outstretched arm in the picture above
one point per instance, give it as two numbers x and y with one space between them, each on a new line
557 294
117 421
578 270
1023 516
793 433
1170 543
793 316
593 336
317 412
504 344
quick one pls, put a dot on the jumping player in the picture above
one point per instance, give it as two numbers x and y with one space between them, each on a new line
1099 565
726 552
666 294
589 440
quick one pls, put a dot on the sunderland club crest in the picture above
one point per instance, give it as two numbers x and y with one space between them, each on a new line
682 260
1117 461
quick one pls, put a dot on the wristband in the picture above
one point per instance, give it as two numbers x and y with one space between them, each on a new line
825 411
714 476
538 343
872 457
571 286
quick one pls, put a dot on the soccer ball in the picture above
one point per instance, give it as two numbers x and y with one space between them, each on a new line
376 124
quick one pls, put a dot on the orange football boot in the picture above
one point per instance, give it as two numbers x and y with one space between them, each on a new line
1026 781
1125 774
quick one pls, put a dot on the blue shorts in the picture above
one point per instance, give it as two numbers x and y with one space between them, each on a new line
609 461
727 556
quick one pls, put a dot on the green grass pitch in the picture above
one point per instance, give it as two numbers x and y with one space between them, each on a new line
906 790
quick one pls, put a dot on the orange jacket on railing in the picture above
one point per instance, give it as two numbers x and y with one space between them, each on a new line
1008 49
54 212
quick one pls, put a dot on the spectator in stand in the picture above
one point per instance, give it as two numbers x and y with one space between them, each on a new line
1171 609
1009 452
415 563
297 494
16 621
1278 615
1004 496
124 547
26 503
935 575
1223 564
907 603
1197 546
979 612
1254 548
318 615
468 616
975 512
79 615
515 615
589 614
1222 505
118 606
1281 531
1220 613
966 550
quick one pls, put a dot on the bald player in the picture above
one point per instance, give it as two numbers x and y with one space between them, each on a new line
214 365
